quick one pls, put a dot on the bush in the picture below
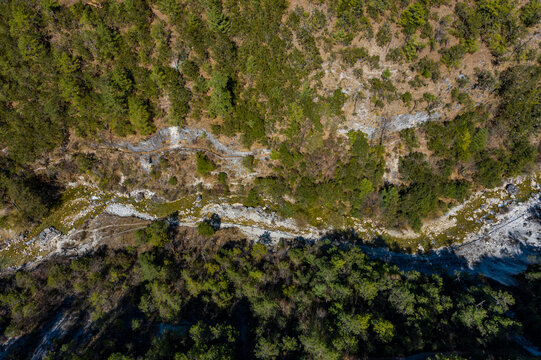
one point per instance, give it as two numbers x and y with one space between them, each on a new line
253 199
489 172
221 98
452 56
205 228
384 35
429 97
406 98
248 162
409 138
190 69
351 55
140 116
429 68
411 48
204 164
85 161
155 173
485 80
157 234
396 55
416 82
530 14
222 178
462 80
461 97
413 17
336 102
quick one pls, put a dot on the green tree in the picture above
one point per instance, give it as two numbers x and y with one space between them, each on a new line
413 17
25 195
157 234
204 165
218 21
489 172
384 35
221 98
530 13
267 349
390 199
316 348
107 41
205 228
452 56
140 116
384 330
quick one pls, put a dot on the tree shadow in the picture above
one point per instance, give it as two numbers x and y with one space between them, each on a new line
448 260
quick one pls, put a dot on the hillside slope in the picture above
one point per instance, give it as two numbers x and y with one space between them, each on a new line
270 179
392 111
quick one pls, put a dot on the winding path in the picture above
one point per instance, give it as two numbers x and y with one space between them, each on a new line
187 148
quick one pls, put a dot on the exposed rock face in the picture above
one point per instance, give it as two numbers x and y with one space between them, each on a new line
499 251
507 239
256 215
140 195
126 211
188 141
182 138
49 237
406 121
512 189
394 124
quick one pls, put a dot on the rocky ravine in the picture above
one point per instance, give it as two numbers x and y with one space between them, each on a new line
502 248
185 140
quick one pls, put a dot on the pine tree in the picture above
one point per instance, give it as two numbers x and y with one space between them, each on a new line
140 116
218 21
220 96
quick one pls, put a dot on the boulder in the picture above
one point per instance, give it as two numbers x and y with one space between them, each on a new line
140 196
47 235
512 189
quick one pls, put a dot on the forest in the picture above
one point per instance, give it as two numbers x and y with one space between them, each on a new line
253 69
313 94
171 294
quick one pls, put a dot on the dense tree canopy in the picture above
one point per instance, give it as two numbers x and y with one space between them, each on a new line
240 300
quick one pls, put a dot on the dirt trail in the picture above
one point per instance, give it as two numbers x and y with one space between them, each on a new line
107 227
190 149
